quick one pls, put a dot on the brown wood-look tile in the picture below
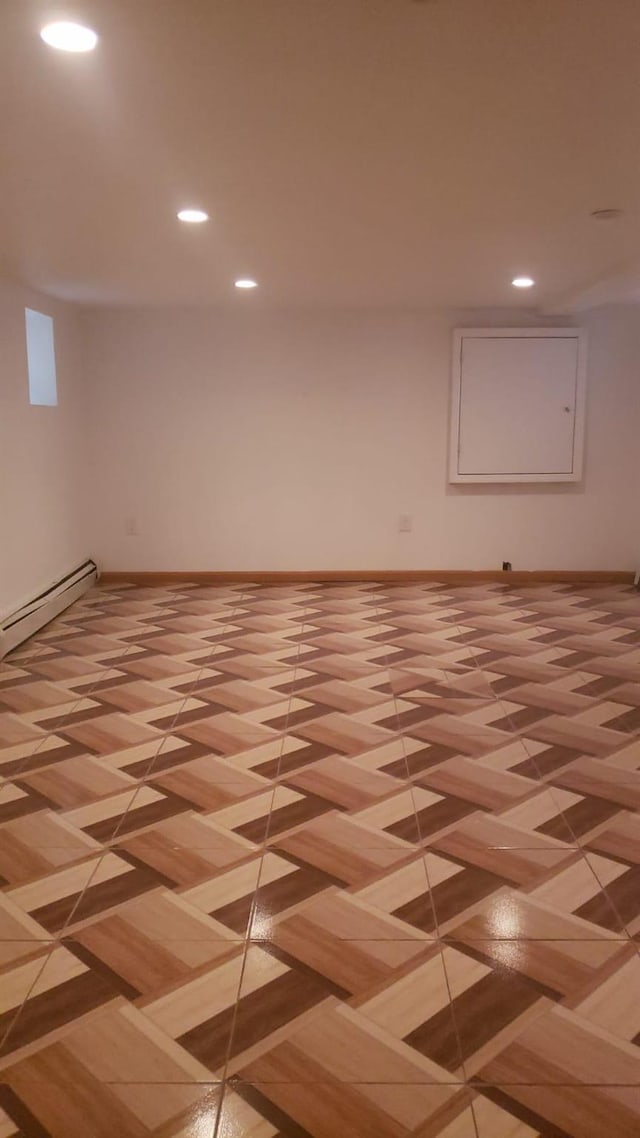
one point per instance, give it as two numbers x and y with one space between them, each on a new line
354 769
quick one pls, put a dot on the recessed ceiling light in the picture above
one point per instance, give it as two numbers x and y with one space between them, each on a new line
66 36
523 282
246 282
194 216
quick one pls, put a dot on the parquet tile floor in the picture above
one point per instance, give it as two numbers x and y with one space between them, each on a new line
323 860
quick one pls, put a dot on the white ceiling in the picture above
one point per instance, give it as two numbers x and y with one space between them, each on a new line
349 152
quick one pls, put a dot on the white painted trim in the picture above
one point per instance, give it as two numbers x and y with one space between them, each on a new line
459 334
31 617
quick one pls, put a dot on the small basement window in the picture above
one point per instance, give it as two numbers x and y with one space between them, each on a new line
41 359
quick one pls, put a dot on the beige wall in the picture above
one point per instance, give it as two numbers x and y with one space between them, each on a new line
41 470
285 441
293 441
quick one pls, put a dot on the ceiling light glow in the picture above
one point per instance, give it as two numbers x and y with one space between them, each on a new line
245 282
193 216
523 282
66 36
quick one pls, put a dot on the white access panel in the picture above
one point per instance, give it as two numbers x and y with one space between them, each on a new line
517 405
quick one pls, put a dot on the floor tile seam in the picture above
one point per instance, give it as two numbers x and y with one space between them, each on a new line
462 630
51 641
107 849
53 945
15 657
542 783
218 1086
604 887
22 664
545 785
136 1082
208 663
539 781
519 736
440 943
471 661
427 879
85 695
285 729
144 780
408 784
38 651
619 939
217 1122
542 1084
596 701
474 1118
297 667
100 855
380 619
474 1083
234 1085
577 843
402 735
111 848
59 727
249 940
281 734
60 935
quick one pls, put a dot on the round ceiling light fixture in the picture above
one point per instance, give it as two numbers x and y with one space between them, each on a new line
606 214
523 282
246 282
66 36
193 216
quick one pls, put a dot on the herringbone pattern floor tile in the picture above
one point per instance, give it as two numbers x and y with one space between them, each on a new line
320 860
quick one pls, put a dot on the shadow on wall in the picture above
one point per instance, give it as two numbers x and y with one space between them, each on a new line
513 489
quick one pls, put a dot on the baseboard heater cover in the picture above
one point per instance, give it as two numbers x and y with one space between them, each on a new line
32 616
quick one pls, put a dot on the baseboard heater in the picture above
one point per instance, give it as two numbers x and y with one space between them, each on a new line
30 617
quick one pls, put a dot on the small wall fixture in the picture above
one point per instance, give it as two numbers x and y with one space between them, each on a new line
523 282
66 36
245 282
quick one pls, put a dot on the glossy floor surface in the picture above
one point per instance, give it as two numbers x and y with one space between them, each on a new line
348 861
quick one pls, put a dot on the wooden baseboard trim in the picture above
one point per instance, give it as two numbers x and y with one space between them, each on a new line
446 576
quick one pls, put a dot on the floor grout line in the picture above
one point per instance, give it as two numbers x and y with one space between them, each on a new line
248 938
550 789
56 939
103 668
59 937
438 941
